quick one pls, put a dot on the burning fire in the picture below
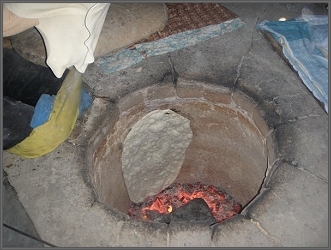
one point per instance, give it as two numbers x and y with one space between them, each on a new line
221 205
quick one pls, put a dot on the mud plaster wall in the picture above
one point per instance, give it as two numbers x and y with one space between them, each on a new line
228 147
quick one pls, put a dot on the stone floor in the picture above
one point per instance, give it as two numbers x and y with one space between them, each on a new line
53 200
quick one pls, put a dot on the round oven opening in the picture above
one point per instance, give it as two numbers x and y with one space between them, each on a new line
228 148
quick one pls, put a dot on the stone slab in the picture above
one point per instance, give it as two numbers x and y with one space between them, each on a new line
58 200
304 144
293 209
16 217
153 70
240 232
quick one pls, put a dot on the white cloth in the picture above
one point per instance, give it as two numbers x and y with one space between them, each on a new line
70 31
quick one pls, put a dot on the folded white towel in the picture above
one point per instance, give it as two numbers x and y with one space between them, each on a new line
70 31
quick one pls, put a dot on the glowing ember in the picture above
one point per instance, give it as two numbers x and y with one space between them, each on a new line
220 204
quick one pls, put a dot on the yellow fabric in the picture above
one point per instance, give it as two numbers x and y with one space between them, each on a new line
46 137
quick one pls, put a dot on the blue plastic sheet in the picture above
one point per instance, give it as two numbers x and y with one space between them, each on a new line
304 42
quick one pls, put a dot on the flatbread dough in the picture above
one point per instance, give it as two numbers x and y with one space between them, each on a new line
153 152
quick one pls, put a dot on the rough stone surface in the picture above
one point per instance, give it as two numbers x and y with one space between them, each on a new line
6 44
304 144
292 208
112 86
153 152
228 233
186 89
127 23
30 45
59 188
18 219
86 124
192 235
143 233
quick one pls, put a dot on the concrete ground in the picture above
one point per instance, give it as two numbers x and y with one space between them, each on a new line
54 202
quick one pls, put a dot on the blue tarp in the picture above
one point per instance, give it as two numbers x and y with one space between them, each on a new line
304 42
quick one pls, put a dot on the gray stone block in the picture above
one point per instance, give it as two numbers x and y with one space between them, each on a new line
293 209
304 144
241 232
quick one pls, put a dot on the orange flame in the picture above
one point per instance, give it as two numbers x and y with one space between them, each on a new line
220 204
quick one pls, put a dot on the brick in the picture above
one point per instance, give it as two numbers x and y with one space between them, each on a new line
217 94
160 92
189 90
130 100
